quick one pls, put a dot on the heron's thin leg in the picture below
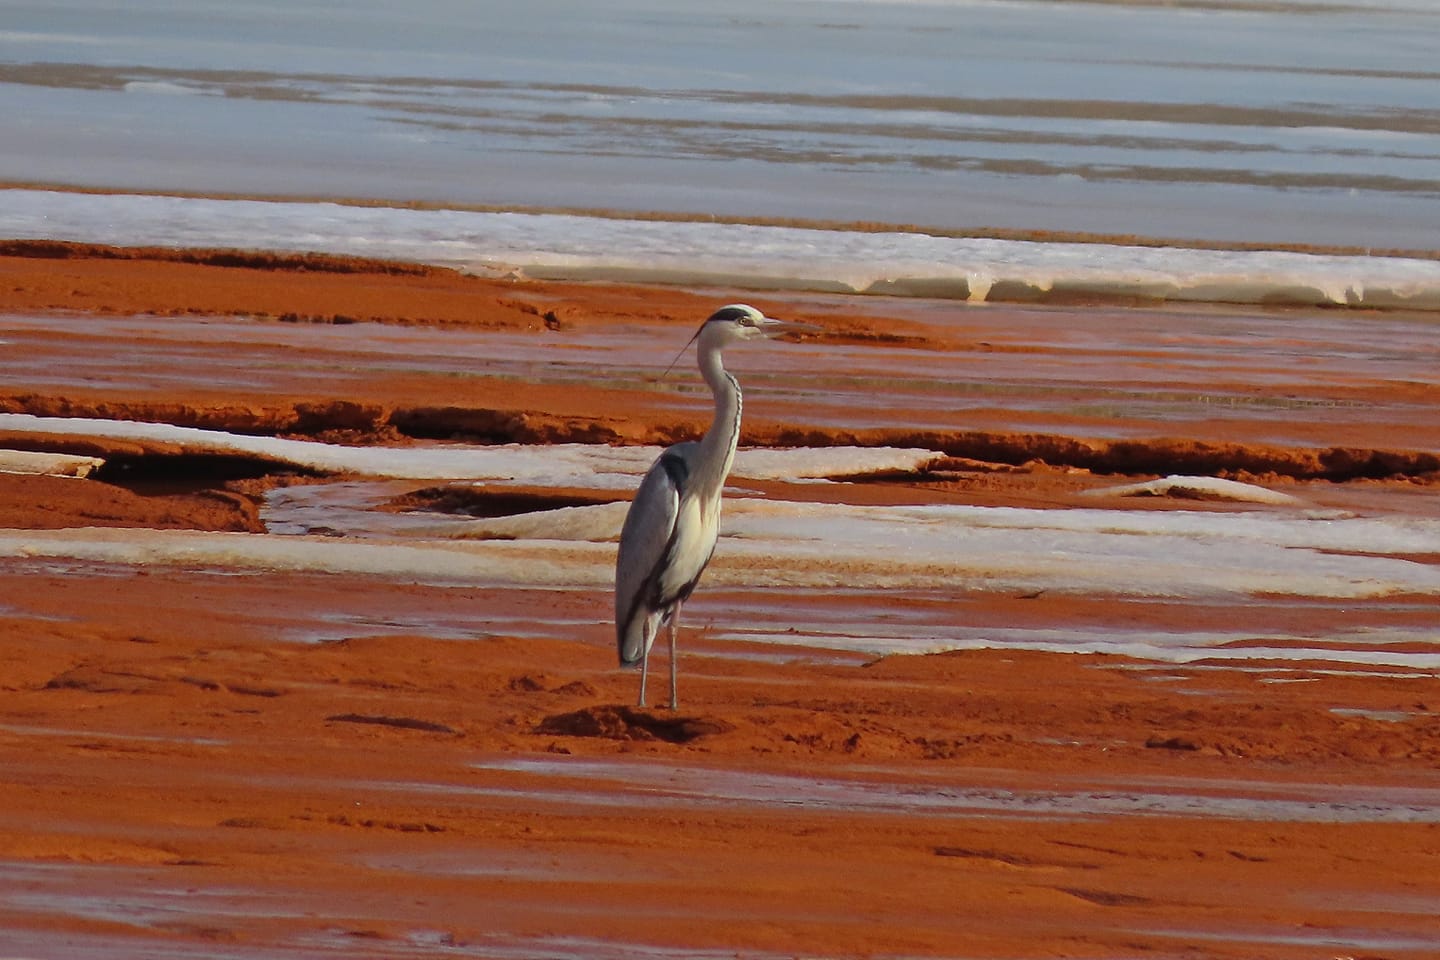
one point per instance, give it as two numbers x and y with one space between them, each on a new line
644 669
674 684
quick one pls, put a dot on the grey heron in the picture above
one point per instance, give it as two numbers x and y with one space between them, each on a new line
670 531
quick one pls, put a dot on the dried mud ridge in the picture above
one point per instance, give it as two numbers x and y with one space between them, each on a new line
249 259
344 421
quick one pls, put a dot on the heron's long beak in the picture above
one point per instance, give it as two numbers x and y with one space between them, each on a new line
773 328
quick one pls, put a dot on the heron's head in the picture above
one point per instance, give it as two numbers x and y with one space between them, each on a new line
737 323
740 322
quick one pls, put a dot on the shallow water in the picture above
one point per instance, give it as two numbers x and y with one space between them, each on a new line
1120 371
1229 120
151 905
664 785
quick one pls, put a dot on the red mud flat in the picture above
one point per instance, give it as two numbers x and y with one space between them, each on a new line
199 763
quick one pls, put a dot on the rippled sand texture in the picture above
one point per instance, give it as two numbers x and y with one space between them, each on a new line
255 709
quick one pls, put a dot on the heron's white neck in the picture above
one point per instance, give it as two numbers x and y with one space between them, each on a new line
717 448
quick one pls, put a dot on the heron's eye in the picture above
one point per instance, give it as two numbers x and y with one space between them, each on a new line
747 321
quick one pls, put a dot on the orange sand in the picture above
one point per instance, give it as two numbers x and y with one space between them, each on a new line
184 771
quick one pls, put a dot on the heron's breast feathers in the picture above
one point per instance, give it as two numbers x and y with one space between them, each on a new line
697 526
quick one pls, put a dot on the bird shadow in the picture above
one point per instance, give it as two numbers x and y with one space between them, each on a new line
616 722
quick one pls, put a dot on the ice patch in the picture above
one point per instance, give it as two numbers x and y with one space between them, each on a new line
162 87
562 246
803 463
511 563
581 465
1211 488
1173 647
53 464
1229 557
600 522
825 546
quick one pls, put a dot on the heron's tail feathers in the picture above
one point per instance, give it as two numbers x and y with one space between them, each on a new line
635 636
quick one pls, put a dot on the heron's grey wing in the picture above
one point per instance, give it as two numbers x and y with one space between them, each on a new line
645 542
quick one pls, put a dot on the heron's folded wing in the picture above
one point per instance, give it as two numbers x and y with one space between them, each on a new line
645 538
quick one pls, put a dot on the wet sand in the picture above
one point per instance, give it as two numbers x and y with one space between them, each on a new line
268 765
